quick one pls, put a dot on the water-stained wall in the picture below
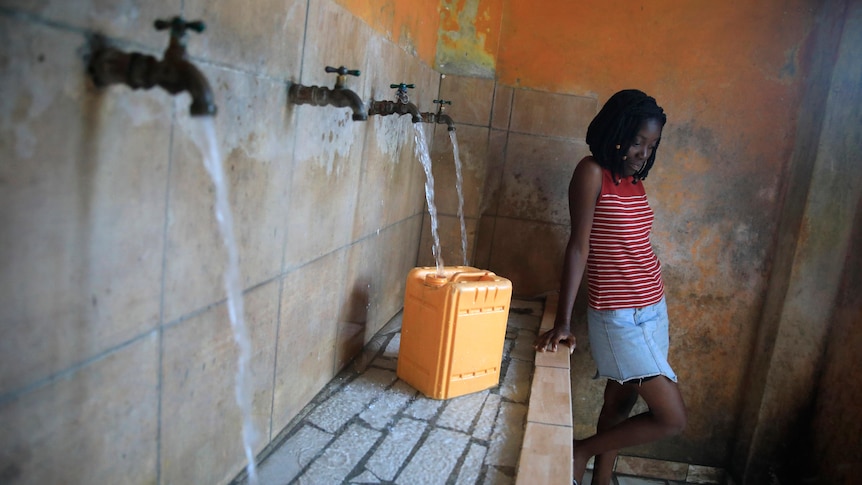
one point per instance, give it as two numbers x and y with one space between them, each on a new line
737 83
802 373
118 359
117 351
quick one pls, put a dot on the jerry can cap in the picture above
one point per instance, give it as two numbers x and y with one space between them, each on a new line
435 280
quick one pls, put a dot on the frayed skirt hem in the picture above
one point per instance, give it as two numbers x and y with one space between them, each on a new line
673 378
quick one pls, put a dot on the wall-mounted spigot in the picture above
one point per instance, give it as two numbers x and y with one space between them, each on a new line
439 116
174 73
338 96
401 105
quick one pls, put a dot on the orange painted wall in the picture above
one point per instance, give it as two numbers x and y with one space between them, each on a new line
729 66
410 24
730 76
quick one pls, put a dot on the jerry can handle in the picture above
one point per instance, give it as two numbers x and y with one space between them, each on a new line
472 275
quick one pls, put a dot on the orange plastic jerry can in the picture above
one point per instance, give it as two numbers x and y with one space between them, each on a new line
453 330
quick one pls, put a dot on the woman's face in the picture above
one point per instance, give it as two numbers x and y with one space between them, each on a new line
642 147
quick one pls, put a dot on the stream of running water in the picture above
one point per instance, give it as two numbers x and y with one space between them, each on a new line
233 287
421 149
459 186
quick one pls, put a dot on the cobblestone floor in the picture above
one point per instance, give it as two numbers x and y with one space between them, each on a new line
368 426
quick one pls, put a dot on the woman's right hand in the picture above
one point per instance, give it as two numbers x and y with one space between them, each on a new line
548 341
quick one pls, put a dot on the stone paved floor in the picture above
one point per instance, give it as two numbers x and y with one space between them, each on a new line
368 426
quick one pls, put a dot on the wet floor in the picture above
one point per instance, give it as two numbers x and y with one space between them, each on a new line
368 426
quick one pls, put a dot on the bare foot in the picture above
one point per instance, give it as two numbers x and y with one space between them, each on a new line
579 461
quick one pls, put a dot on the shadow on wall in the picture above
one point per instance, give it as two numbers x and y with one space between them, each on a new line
355 325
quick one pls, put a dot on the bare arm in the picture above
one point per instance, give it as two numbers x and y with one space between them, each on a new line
584 191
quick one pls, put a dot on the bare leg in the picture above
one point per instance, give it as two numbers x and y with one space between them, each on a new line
619 401
666 417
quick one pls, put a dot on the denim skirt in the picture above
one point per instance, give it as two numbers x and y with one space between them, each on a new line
631 343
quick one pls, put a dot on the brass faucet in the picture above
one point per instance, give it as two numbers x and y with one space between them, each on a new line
174 73
338 96
439 116
401 105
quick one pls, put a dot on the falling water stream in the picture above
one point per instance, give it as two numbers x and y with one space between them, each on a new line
213 164
459 184
421 149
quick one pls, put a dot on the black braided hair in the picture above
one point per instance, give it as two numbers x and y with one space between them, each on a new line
613 130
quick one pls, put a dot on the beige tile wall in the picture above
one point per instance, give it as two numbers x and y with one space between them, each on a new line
111 255
199 415
518 149
545 141
67 160
118 360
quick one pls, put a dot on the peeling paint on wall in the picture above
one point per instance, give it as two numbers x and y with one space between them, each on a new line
469 37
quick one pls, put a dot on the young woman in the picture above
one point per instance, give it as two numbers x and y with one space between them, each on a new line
627 315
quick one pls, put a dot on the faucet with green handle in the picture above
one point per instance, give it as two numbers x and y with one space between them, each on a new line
401 105
339 96
439 117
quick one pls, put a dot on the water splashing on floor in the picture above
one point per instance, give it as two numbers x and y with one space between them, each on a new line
459 185
421 149
213 164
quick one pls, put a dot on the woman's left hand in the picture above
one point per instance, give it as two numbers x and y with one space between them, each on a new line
548 341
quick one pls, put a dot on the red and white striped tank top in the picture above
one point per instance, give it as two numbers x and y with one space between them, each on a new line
622 269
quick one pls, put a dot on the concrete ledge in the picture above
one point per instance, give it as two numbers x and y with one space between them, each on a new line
546 453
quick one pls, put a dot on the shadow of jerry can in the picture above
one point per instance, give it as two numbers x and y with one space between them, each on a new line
453 330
